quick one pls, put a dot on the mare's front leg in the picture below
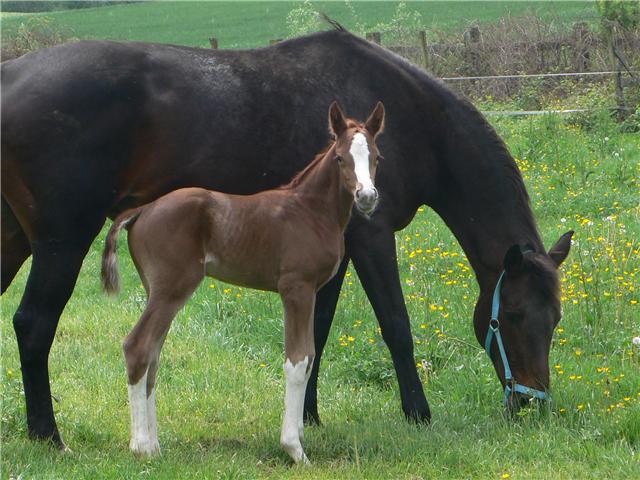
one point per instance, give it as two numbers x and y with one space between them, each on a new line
298 299
326 301
373 252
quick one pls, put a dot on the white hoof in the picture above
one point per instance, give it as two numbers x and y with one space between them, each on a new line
294 449
143 448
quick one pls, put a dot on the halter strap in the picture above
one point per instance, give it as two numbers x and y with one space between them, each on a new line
494 331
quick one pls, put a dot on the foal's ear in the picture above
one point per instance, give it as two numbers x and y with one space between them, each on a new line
337 120
513 259
561 248
375 122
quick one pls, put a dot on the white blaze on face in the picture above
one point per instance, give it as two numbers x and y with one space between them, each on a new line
360 152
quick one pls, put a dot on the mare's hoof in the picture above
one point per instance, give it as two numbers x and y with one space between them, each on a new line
53 439
420 417
311 418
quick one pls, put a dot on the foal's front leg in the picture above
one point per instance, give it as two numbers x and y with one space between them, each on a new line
298 299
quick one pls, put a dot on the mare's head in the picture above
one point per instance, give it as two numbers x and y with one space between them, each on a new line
529 311
357 153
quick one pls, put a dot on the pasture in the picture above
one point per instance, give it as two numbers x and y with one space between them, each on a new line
220 386
251 24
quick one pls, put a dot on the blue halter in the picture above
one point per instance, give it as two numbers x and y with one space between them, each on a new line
494 331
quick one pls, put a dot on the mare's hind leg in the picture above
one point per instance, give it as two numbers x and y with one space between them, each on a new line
142 354
298 299
15 246
54 271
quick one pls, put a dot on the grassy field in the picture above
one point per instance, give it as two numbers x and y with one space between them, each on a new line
220 391
251 24
221 386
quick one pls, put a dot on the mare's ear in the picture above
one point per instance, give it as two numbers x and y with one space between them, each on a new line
513 259
337 121
375 122
561 248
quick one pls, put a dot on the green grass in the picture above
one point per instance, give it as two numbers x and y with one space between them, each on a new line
251 24
220 392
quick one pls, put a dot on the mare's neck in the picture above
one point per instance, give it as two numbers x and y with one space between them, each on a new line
322 190
486 206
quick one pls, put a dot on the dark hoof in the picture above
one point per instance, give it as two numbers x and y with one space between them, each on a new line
422 417
311 418
54 439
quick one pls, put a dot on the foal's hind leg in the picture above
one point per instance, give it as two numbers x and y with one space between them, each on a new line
142 354
298 299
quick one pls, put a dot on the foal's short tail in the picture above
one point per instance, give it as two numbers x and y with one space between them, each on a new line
110 275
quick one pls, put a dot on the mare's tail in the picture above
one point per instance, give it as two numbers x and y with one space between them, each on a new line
109 274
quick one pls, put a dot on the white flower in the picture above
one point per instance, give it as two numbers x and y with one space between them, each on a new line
563 220
636 340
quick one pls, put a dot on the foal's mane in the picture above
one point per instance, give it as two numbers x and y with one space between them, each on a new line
297 179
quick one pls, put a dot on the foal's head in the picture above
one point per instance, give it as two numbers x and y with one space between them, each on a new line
357 153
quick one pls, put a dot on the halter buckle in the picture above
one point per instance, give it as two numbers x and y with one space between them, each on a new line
494 324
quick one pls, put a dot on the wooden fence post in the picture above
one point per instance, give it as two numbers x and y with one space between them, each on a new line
622 112
213 41
425 50
621 107
375 37
581 55
472 39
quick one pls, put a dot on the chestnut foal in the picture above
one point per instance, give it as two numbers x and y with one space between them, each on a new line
288 240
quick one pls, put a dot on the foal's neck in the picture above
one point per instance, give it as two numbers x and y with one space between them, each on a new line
322 189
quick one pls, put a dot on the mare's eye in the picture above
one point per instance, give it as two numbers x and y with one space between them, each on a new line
513 316
339 158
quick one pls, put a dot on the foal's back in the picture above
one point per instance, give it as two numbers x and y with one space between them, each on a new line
245 240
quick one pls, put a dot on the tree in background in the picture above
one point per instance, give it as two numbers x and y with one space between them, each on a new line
48 6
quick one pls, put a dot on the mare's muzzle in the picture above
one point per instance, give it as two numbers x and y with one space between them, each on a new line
366 199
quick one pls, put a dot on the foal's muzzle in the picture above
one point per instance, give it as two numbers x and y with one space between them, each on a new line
366 199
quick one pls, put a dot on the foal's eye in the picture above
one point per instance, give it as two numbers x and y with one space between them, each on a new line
339 158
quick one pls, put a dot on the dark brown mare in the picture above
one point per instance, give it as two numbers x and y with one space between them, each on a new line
289 240
91 129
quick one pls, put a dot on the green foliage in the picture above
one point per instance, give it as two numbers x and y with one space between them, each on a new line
619 14
303 19
401 28
33 34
